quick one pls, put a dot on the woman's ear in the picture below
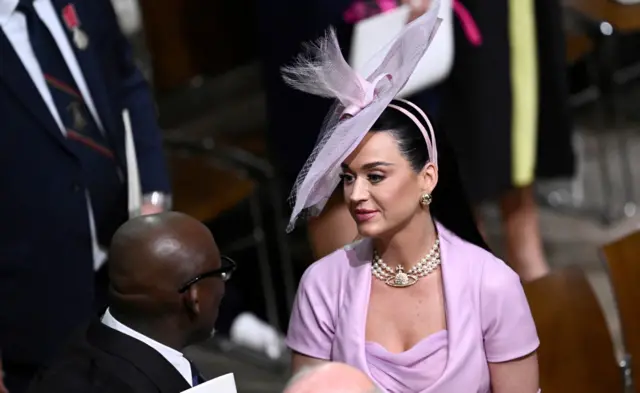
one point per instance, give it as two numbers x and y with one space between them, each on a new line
429 177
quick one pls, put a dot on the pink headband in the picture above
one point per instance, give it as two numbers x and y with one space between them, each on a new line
429 137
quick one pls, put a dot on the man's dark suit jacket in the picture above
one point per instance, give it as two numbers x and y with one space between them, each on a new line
103 360
46 261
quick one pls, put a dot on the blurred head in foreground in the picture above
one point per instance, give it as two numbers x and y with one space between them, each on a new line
331 378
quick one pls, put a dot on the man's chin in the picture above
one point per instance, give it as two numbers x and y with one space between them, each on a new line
201 336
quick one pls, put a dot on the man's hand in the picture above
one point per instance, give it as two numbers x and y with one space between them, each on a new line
418 7
145 209
154 203
3 389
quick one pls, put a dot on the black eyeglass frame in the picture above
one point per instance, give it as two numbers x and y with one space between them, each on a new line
228 269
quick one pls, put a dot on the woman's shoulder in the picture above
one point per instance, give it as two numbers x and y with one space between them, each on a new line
494 277
495 274
492 272
488 262
329 271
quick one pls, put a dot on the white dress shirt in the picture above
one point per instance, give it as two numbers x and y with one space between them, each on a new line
174 357
14 25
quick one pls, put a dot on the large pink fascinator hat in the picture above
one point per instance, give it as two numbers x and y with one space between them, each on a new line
359 103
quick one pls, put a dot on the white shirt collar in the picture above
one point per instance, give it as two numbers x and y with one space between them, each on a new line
7 7
174 357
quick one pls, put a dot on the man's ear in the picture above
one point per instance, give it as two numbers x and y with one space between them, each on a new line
192 300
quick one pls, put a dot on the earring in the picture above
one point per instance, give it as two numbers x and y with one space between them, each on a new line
426 199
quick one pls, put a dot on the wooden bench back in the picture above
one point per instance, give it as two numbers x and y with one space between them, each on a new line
576 352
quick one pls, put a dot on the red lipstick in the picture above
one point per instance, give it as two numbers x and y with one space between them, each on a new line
363 215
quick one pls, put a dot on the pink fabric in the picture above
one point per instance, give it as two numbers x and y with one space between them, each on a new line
488 319
363 9
413 370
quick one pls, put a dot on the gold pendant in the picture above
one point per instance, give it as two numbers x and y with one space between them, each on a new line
401 279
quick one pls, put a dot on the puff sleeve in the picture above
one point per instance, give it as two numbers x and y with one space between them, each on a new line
312 324
508 328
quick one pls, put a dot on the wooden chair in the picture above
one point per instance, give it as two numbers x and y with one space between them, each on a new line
624 18
189 38
576 352
203 191
210 178
623 260
578 47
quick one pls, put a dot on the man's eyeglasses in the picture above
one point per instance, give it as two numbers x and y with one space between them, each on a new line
224 272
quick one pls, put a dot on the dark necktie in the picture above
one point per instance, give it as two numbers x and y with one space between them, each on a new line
82 131
196 377
100 170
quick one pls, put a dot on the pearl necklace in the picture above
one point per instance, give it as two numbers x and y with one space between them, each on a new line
400 279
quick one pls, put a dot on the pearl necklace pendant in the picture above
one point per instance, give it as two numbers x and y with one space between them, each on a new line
401 279
397 277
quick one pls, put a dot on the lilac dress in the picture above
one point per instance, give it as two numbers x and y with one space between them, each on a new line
488 320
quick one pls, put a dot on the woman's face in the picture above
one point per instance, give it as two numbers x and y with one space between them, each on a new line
381 188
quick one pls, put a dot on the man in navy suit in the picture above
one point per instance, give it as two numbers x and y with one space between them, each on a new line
66 75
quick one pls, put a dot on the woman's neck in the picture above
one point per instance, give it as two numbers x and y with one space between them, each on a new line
408 245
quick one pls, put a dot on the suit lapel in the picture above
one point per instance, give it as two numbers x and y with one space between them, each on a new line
144 358
89 65
15 76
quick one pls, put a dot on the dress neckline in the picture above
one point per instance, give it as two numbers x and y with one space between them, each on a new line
443 235
428 344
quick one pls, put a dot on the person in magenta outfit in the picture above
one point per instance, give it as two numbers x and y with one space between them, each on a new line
412 304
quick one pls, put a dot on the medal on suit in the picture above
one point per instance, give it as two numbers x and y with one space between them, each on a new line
79 122
70 17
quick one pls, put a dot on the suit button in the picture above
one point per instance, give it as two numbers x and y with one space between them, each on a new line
76 187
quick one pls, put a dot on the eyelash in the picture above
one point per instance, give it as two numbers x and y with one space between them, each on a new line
344 178
373 178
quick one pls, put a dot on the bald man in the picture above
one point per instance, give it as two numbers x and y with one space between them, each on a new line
331 377
167 281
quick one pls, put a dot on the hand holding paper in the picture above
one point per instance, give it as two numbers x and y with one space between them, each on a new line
418 7
373 35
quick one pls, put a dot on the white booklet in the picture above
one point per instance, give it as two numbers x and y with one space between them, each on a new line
223 384
374 34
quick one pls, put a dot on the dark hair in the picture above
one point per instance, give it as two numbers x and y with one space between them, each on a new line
410 141
450 203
